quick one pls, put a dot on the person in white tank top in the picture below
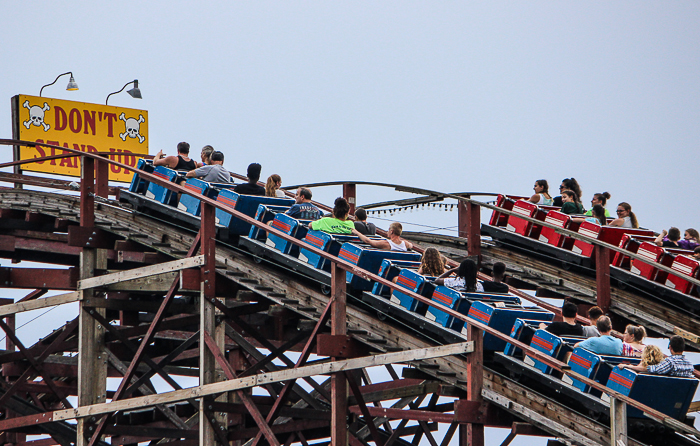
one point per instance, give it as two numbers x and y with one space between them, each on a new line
541 196
394 243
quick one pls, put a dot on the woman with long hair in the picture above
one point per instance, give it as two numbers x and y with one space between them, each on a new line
595 215
568 184
272 187
601 199
541 195
432 263
691 239
206 155
625 217
465 279
632 338
570 205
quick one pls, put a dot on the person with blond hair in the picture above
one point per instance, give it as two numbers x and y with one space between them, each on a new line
651 355
394 242
432 263
674 365
272 187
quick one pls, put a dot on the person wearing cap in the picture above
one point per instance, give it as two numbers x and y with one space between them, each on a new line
251 187
214 172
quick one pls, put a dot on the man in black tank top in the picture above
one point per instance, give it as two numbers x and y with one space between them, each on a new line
180 162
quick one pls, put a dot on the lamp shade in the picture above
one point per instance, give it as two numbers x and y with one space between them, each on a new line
135 92
72 85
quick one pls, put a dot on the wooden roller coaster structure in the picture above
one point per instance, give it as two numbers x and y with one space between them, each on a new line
160 300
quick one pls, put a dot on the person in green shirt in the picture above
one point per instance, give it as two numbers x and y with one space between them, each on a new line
338 223
600 199
570 206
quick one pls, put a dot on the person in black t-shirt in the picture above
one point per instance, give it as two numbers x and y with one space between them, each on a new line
669 239
497 286
251 187
569 326
361 224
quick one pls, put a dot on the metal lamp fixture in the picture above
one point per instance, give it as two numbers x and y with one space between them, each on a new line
134 92
72 85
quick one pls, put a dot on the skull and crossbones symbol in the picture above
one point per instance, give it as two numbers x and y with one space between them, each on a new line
36 115
132 128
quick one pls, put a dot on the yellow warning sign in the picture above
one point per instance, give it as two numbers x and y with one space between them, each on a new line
80 126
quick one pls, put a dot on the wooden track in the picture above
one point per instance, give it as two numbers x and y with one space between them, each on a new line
287 300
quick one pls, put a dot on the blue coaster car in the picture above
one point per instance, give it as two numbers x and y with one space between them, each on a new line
502 319
417 283
290 226
264 214
139 185
594 366
667 394
448 297
193 205
523 330
547 343
465 303
160 193
246 204
388 270
369 259
330 243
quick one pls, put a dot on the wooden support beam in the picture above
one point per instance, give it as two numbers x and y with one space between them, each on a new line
266 378
475 375
136 273
45 302
207 322
92 362
618 422
339 389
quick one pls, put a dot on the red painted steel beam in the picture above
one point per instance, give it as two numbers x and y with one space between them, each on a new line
87 192
306 352
55 279
292 426
364 410
340 346
101 178
244 397
350 194
147 339
602 277
36 365
406 414
68 330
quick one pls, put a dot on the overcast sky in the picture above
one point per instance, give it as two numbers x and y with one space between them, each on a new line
451 96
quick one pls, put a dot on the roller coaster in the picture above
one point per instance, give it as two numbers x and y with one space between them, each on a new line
278 325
